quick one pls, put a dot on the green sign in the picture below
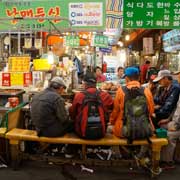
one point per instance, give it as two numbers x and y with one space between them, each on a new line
152 14
40 14
100 41
72 41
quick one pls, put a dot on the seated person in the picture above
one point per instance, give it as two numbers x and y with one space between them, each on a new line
99 76
173 127
166 100
152 85
48 111
80 104
120 76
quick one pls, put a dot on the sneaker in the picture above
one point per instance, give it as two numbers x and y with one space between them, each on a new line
69 151
167 165
68 156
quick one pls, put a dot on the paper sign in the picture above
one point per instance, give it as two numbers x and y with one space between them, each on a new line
19 64
6 79
38 43
17 79
27 79
41 64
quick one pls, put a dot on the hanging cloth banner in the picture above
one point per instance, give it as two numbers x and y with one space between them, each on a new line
27 43
38 43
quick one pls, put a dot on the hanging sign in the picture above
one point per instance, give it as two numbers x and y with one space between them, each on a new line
72 41
100 41
38 43
106 50
86 14
6 79
152 14
148 45
41 64
27 43
19 63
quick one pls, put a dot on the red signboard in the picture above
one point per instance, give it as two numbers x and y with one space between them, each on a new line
6 79
27 79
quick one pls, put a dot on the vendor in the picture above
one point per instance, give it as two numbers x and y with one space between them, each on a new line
99 76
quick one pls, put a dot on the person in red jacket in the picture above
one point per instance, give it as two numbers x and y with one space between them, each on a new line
89 83
100 77
144 68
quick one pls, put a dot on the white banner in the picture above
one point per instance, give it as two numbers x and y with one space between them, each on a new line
148 45
38 43
27 43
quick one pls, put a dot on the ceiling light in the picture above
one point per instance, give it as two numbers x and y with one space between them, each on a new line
127 37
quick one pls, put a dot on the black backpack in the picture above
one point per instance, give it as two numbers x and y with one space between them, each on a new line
136 123
91 123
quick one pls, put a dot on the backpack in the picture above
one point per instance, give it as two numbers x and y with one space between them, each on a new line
91 122
136 123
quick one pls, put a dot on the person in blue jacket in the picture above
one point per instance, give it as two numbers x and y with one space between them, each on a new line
166 100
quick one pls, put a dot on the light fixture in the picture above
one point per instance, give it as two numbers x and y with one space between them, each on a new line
50 57
120 43
127 37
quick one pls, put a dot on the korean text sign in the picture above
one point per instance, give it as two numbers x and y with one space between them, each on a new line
152 14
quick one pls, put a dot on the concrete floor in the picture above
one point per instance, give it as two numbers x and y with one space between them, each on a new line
32 170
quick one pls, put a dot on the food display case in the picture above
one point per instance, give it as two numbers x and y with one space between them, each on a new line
7 93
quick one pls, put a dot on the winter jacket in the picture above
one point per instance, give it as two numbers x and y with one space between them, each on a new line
167 102
48 113
116 117
76 107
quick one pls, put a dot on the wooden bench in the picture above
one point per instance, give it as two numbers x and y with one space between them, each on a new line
15 136
2 132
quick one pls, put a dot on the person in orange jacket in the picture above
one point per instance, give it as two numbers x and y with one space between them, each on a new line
132 80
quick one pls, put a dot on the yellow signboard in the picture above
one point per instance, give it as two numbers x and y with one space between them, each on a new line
19 64
41 64
17 79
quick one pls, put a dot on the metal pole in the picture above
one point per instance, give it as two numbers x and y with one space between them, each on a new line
19 43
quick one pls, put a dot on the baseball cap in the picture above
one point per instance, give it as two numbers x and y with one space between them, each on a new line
59 81
131 71
89 78
162 74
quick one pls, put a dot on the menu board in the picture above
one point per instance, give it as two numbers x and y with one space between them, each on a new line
19 64
41 64
152 14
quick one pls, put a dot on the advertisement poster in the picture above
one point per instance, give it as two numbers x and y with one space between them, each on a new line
27 79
